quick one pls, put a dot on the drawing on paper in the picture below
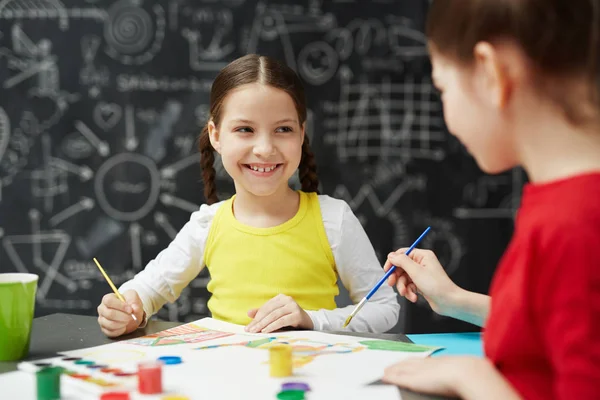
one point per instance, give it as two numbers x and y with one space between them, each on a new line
189 333
304 351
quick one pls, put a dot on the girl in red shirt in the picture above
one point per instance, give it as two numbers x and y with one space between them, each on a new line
520 84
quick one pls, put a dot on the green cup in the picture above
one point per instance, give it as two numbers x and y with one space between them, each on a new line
17 304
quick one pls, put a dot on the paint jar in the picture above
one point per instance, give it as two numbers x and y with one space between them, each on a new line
280 360
150 377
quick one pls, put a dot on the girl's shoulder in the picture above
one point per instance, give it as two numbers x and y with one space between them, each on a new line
334 211
206 212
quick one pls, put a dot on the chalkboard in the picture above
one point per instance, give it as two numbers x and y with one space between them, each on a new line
102 103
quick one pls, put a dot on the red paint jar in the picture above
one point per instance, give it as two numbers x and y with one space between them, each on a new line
150 377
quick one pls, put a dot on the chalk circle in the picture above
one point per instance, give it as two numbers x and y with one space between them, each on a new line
129 28
317 63
127 186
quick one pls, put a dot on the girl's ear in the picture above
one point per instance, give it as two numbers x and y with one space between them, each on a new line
213 135
303 131
496 70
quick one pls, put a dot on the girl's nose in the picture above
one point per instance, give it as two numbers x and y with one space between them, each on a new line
264 147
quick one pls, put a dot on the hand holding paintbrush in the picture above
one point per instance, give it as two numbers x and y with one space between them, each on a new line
383 279
117 312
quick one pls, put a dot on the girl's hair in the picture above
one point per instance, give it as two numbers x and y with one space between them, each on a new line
253 68
561 38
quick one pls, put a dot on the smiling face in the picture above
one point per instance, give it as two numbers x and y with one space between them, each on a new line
259 138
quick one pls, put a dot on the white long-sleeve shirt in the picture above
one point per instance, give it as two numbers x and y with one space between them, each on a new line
175 267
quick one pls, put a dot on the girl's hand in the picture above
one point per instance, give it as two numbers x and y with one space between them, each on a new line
421 272
114 316
438 375
277 313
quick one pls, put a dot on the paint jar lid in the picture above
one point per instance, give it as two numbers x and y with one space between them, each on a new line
295 386
48 383
174 397
115 396
170 359
291 395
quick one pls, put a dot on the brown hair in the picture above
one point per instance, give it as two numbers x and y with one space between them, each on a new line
253 68
560 38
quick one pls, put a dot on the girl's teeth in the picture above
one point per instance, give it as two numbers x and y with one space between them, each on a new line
268 169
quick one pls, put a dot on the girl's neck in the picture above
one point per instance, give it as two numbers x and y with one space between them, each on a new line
266 211
553 149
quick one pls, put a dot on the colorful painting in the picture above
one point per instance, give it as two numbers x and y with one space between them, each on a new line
188 333
304 351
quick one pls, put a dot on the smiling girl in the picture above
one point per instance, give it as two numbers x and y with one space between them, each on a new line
274 254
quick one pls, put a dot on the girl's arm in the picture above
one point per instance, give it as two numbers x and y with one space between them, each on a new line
175 267
359 270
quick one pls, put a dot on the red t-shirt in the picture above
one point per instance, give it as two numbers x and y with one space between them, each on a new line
543 330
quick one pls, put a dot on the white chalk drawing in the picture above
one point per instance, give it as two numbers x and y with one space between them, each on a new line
131 141
18 146
47 182
20 247
162 222
385 208
166 84
170 200
35 9
91 75
269 26
141 193
135 232
204 59
271 32
82 171
478 196
359 37
211 40
171 170
107 115
384 119
76 147
317 63
4 131
82 205
32 59
100 145
132 34
405 40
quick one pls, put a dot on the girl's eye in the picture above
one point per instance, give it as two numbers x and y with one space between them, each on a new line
284 129
244 129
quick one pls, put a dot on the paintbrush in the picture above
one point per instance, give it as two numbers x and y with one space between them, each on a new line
383 279
112 285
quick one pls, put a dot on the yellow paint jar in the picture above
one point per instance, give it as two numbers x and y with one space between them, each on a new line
280 360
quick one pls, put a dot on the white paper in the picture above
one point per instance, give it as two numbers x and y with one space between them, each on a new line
335 366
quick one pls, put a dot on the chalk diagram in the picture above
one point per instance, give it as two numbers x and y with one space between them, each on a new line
136 169
486 197
384 120
375 211
32 249
210 35
133 34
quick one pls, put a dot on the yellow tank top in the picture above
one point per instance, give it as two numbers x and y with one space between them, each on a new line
248 266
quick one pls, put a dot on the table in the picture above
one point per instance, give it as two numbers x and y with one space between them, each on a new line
63 332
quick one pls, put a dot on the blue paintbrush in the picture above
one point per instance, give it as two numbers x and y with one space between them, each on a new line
385 277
